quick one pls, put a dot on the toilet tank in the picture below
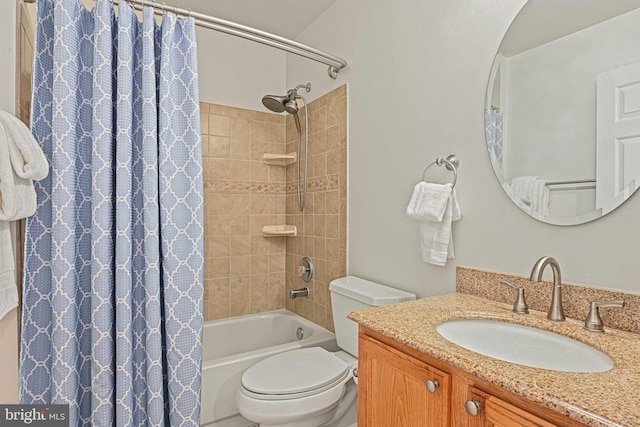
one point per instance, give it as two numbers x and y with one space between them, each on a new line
352 293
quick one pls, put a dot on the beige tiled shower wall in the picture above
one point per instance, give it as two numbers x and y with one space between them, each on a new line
244 272
322 226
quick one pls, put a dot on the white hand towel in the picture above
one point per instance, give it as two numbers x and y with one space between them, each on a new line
435 206
428 201
27 158
437 238
456 214
8 289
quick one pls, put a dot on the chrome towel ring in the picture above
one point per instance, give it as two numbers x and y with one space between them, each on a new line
451 163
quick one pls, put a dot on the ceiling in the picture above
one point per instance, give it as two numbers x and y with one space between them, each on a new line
542 21
286 18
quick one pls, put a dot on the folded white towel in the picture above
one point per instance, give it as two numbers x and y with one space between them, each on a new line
435 206
27 158
428 201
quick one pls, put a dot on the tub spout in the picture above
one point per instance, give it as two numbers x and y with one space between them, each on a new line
295 293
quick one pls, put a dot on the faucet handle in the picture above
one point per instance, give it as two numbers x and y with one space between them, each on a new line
520 306
593 322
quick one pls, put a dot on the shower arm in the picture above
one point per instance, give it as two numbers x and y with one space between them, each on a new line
307 87
293 93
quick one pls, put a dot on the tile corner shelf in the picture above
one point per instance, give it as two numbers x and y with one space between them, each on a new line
279 159
279 231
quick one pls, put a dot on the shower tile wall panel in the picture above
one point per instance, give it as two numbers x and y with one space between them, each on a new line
244 272
322 232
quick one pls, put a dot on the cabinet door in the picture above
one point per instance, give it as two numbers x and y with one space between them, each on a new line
394 389
503 414
494 412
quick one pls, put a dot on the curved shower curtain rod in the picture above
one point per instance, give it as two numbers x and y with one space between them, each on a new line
335 64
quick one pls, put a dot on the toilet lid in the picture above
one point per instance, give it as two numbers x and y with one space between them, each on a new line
295 371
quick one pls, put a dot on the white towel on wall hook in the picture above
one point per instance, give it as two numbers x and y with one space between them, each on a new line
27 158
21 161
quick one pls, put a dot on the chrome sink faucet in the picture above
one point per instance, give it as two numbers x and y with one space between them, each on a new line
555 311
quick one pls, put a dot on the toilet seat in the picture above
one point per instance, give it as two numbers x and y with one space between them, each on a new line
304 384
294 374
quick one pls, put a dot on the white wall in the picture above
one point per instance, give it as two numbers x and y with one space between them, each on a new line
8 324
8 54
417 78
237 72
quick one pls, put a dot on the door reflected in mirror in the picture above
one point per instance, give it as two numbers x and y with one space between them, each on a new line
562 114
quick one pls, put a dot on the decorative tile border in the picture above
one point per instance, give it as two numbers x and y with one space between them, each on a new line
576 299
322 183
223 186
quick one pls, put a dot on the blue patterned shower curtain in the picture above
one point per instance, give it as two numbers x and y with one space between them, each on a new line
493 127
113 288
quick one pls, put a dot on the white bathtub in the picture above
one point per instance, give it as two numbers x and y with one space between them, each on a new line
230 346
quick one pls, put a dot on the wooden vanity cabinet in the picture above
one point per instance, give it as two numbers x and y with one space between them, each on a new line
495 412
399 390
393 391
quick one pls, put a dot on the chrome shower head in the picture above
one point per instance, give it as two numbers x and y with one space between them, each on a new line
279 104
291 106
275 103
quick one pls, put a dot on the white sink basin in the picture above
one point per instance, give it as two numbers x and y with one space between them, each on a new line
524 345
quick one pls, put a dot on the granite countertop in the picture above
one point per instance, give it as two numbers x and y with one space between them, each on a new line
609 398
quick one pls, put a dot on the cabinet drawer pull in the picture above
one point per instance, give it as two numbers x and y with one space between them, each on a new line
472 407
432 385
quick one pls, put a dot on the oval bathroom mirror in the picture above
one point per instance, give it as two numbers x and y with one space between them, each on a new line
562 115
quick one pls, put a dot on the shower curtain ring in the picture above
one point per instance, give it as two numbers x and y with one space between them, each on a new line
189 13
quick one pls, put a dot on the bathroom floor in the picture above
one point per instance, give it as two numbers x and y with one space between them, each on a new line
349 420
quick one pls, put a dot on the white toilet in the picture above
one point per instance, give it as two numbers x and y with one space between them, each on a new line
312 387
